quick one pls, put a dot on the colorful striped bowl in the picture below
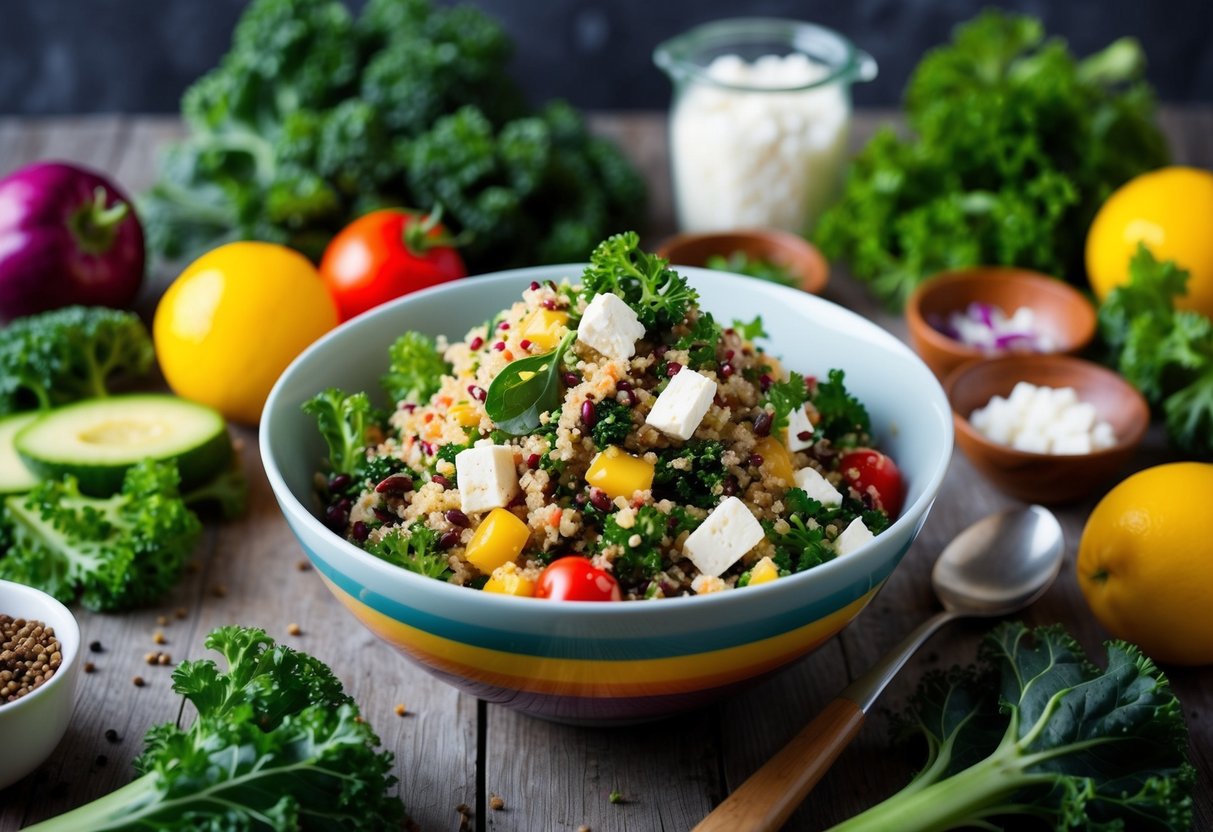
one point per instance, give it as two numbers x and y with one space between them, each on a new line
611 663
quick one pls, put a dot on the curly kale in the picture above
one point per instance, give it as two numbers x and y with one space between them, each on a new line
113 553
805 544
658 295
612 423
784 397
415 369
692 474
69 354
1015 144
414 548
277 745
701 342
844 419
343 422
635 564
314 117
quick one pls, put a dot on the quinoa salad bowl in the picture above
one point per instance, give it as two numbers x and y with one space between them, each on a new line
606 492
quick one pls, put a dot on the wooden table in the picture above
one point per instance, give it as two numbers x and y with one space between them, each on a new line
454 750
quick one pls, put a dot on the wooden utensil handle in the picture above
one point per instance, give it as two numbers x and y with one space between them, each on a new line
769 796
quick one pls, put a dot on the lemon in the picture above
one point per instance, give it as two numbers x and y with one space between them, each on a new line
234 319
1145 562
1171 211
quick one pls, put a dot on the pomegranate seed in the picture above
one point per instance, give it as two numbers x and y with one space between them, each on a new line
503 326
804 435
478 393
764 381
599 499
571 379
340 482
730 331
395 484
631 397
755 460
548 304
810 382
476 343
457 518
532 461
360 531
534 285
448 540
672 369
499 346
726 370
728 356
441 480
660 350
729 487
408 407
524 344
762 424
589 413
623 385
581 499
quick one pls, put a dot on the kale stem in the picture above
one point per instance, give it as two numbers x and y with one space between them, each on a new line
109 812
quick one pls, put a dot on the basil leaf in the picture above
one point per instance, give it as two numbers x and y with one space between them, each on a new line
526 389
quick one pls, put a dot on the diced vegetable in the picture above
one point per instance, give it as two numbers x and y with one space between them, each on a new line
506 580
499 538
619 474
544 327
763 572
775 458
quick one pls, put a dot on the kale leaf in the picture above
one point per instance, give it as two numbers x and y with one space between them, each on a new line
343 422
612 423
844 419
783 397
414 548
691 474
415 369
658 295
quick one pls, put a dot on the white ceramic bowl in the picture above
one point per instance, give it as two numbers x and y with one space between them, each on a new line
587 662
32 726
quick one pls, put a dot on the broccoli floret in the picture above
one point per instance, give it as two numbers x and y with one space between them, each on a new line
415 369
114 553
343 422
277 744
69 354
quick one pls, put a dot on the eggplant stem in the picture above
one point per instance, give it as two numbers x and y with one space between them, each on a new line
94 225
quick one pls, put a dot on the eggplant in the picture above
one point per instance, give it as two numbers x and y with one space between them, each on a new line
67 236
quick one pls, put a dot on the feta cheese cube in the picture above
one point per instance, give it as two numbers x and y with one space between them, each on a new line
817 487
610 326
1072 443
800 430
729 532
487 477
852 537
682 405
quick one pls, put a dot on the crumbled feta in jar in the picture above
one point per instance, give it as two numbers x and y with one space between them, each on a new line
988 328
1043 420
751 148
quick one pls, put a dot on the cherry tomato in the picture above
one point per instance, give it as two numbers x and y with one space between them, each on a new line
871 472
386 254
574 578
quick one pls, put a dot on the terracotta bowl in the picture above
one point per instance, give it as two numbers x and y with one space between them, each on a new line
1047 478
794 253
1061 311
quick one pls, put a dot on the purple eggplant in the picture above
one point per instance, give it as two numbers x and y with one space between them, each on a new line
67 236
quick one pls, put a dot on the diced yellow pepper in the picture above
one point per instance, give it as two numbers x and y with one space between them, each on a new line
543 327
465 414
618 473
775 458
506 580
498 539
776 371
763 571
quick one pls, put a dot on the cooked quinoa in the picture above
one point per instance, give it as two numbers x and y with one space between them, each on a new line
431 485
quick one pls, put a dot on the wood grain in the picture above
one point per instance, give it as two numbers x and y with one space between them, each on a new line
452 750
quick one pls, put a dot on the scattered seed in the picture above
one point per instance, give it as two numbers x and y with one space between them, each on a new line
400 709
112 736
164 659
162 620
477 392
765 381
95 646
219 591
89 667
159 638
532 461
548 303
496 803
441 480
726 370
571 379
181 612
499 346
150 658
524 344
534 285
101 761
805 435
138 681
294 629
503 326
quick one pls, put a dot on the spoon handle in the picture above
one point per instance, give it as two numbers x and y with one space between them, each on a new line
769 796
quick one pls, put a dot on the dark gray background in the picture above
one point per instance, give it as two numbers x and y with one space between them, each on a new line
78 56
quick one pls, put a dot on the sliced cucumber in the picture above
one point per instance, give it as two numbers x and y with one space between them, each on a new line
15 476
97 440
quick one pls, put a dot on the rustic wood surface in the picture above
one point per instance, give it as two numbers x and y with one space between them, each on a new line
452 750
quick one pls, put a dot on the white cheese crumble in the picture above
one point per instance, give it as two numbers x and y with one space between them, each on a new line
817 487
856 534
761 151
610 326
729 532
1043 420
487 477
800 430
682 404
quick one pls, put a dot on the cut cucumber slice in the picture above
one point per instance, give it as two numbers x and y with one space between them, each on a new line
97 440
15 476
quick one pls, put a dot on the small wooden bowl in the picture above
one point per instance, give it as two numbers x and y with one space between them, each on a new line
1046 478
1061 311
793 253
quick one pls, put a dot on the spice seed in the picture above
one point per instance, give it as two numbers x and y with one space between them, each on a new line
400 710
95 646
294 629
496 803
150 658
138 681
29 656
159 638
219 591
89 667
303 566
112 736
162 620
182 612
164 658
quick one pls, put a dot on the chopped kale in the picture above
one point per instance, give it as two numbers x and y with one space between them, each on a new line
695 484
415 548
701 342
843 417
612 424
784 397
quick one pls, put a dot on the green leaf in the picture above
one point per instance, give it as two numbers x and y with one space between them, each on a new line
343 421
750 330
415 369
526 389
784 397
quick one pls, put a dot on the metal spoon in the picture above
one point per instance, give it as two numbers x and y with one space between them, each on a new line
997 566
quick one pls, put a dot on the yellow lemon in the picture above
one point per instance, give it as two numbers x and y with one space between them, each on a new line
234 319
1145 562
1171 211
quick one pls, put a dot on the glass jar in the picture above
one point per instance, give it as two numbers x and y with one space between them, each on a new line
759 122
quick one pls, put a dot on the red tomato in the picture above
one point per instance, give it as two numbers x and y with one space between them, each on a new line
386 254
871 472
576 579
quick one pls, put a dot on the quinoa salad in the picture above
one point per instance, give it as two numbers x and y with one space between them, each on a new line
603 438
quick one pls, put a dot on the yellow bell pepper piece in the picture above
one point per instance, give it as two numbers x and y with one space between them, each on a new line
763 571
465 414
543 327
498 539
618 473
775 458
506 581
